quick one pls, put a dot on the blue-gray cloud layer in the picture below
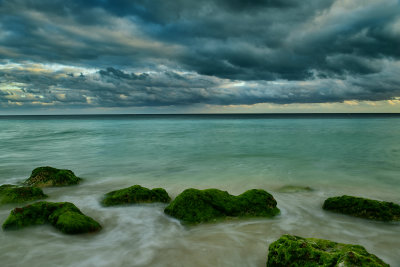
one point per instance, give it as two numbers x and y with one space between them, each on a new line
312 45
116 88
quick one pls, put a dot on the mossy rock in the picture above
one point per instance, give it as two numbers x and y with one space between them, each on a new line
64 216
195 206
297 251
294 189
135 194
363 208
49 176
18 194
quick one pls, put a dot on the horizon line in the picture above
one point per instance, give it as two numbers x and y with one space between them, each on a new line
202 114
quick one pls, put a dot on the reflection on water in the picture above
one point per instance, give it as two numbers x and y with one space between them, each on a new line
334 157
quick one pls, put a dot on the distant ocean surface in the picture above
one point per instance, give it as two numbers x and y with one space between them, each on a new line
334 154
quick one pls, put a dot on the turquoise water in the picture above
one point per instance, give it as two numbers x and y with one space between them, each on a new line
334 155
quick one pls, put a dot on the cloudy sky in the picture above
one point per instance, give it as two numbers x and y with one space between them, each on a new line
193 56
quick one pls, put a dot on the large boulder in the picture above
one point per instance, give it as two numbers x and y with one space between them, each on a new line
64 216
19 194
363 208
49 176
135 194
196 206
297 251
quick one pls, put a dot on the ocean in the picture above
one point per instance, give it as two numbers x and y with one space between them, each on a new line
335 154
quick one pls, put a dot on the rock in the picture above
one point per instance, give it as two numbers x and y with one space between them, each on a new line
363 208
294 189
19 194
49 176
297 251
135 194
64 216
196 206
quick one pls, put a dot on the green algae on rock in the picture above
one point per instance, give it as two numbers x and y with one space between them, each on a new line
297 251
49 176
64 216
294 189
363 208
135 194
195 206
18 194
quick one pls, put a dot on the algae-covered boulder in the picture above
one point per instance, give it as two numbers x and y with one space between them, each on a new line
196 206
19 194
297 251
49 176
135 194
64 216
294 189
363 208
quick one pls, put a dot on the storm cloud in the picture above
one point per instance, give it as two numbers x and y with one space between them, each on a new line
115 88
160 53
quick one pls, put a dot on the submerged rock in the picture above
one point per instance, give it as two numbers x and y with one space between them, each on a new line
135 194
294 189
196 206
64 216
18 194
297 251
49 176
363 208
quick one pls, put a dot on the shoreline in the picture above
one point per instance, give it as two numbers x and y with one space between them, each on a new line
301 214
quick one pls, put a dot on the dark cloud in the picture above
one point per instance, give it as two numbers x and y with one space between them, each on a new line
180 52
116 88
264 39
118 74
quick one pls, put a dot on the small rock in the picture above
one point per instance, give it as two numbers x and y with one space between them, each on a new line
135 194
49 176
297 251
363 208
19 194
294 189
196 206
64 216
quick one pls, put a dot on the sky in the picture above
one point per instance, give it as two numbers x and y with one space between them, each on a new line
199 56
